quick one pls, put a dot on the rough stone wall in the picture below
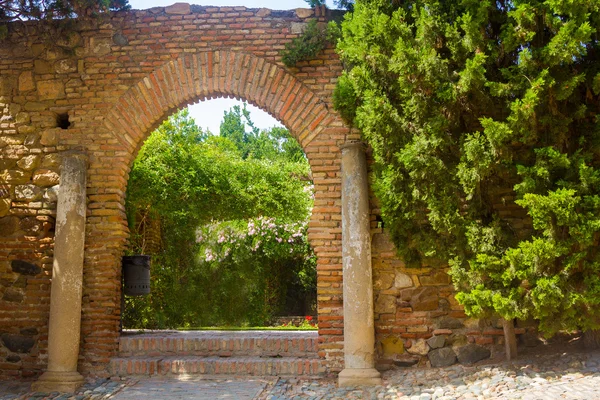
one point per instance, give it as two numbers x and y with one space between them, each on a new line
417 315
102 87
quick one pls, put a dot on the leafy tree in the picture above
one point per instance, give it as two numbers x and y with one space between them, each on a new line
483 119
59 12
12 10
270 144
343 4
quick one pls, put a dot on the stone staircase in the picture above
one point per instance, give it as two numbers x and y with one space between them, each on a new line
258 353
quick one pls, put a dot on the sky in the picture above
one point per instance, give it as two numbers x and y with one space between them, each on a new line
208 114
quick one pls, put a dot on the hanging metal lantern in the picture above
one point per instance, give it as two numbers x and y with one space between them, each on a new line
136 275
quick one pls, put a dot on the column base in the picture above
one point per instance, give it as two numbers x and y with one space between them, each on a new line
52 381
359 376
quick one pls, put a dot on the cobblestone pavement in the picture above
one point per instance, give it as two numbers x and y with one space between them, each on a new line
574 376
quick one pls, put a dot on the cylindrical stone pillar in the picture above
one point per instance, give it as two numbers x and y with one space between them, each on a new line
67 280
359 329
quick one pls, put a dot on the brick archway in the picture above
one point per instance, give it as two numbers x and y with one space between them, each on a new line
142 108
213 74
114 82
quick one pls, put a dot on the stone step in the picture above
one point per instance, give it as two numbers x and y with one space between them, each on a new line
215 343
190 365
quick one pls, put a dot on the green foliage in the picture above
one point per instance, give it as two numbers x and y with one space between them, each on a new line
482 116
192 180
343 4
12 10
315 3
272 144
312 41
59 12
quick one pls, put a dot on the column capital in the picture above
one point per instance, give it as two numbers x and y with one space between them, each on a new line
76 153
352 144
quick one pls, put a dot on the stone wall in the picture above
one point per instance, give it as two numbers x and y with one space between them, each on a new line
418 321
102 86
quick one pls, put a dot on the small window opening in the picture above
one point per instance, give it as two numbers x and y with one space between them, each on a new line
62 121
380 223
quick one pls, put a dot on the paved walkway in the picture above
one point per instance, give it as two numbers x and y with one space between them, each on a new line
573 375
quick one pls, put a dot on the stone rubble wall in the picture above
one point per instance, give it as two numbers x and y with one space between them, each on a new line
103 86
418 321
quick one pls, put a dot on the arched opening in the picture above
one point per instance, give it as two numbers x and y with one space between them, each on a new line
223 214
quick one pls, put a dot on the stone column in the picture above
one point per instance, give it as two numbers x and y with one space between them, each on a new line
359 329
67 280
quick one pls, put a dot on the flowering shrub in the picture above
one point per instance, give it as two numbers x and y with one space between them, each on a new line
269 262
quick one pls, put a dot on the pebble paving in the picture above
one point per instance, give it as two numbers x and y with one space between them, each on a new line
574 376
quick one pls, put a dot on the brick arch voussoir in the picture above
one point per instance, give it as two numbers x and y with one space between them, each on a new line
222 73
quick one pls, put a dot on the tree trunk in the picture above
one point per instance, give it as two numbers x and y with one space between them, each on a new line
591 339
510 339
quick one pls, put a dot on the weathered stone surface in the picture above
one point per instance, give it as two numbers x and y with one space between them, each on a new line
304 12
45 178
22 118
24 267
419 347
436 279
13 358
383 280
263 12
69 39
4 207
100 45
120 40
26 82
442 357
385 304
406 361
35 106
49 138
13 296
473 323
17 343
27 193
435 342
457 340
29 331
178 9
424 299
8 225
31 225
472 353
37 49
65 66
16 176
29 162
51 194
449 323
12 140
20 283
392 345
51 161
298 27
42 67
403 281
51 90
382 242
